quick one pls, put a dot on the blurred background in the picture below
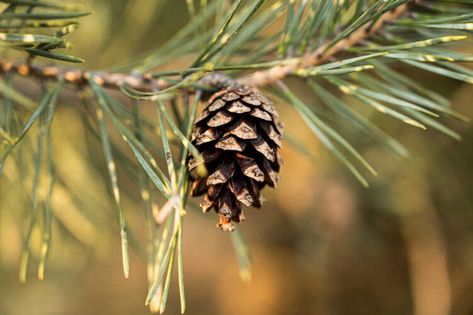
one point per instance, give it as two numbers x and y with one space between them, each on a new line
322 244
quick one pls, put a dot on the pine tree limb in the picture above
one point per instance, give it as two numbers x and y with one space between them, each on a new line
79 77
325 52
262 78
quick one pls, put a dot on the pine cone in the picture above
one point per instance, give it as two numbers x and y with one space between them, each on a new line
239 137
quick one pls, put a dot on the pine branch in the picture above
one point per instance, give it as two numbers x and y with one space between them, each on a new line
148 83
327 51
80 77
329 46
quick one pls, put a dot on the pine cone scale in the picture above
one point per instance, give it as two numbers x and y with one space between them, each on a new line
217 105
261 114
238 107
244 129
220 118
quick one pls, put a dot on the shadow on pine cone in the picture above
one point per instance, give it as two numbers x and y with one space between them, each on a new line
239 137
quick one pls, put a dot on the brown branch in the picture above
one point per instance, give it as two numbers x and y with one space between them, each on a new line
79 77
324 52
259 78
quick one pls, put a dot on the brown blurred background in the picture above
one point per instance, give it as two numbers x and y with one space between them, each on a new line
321 245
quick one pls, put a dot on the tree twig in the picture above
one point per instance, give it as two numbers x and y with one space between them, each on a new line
261 78
325 52
79 77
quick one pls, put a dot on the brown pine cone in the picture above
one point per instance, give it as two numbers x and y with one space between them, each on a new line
239 137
